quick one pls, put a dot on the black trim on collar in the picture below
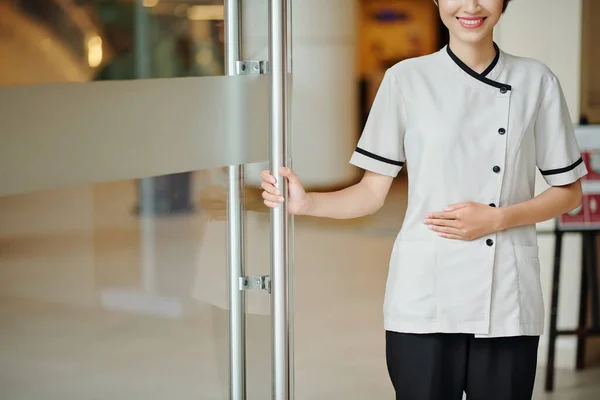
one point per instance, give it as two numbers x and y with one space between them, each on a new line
480 77
494 62
379 158
562 170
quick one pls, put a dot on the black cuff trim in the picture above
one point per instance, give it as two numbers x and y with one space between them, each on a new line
562 170
379 158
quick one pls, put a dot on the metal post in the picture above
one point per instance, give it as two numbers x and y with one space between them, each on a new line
290 158
146 185
235 224
280 295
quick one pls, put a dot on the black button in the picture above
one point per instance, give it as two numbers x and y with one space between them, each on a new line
489 242
496 169
503 90
492 205
502 131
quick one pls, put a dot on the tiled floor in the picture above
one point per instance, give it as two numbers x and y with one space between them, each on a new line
88 312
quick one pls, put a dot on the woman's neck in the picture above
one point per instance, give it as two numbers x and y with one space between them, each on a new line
477 56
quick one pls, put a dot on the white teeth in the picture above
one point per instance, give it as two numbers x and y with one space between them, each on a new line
471 21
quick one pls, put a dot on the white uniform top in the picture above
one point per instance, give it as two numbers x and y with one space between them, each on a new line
468 137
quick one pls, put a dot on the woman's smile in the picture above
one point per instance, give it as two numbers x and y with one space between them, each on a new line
471 22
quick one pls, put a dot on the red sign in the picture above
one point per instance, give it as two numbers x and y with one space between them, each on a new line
587 215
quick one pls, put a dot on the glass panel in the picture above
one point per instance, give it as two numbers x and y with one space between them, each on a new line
120 130
97 299
83 40
258 261
111 286
257 226
130 128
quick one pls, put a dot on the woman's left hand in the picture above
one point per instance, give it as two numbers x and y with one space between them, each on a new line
465 221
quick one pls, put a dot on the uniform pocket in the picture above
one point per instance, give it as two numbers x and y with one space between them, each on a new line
411 284
531 301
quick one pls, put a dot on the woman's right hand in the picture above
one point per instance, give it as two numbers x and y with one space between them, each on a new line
297 197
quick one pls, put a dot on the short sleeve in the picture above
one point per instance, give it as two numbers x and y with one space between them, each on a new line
558 156
381 145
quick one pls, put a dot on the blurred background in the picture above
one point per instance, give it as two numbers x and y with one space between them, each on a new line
97 302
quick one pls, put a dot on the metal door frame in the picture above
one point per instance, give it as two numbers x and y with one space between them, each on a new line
115 138
280 69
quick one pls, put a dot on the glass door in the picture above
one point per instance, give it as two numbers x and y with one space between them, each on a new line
136 257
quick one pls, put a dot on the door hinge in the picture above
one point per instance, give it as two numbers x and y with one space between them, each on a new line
255 282
252 67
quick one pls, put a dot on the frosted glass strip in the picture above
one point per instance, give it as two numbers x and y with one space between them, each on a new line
55 136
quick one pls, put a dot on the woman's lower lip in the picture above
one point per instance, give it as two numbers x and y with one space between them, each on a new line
471 24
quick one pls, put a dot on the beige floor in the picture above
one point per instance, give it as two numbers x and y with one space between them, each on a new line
87 313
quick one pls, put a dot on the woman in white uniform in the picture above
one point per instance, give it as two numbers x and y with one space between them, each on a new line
463 308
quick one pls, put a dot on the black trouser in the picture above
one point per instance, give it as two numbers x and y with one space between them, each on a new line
443 366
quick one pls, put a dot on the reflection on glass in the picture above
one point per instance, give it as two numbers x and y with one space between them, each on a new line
101 297
163 44
178 34
180 39
95 52
63 21
95 39
85 312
